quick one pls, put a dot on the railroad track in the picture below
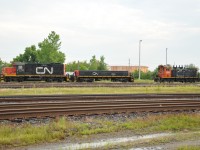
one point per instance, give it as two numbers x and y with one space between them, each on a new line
78 84
13 107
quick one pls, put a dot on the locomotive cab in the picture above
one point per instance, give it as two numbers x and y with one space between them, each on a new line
164 71
8 73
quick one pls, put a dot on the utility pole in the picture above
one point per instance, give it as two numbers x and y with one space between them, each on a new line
166 56
139 56
129 63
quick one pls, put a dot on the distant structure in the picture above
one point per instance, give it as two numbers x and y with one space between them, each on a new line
128 68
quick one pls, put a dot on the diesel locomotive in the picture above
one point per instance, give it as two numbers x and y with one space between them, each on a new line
34 72
166 73
95 75
56 72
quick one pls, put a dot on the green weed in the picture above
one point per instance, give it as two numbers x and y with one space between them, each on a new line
26 134
101 90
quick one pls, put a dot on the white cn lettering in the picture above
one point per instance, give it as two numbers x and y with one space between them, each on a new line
94 73
43 70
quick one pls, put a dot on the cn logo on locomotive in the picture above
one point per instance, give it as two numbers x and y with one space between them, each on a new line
43 70
94 73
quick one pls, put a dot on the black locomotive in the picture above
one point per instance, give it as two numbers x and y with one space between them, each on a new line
95 75
32 72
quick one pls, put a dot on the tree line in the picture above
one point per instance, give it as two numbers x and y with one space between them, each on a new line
48 51
93 64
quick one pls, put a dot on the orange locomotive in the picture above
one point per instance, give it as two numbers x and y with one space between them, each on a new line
166 73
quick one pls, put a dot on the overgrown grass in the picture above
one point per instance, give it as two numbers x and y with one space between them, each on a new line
26 134
143 81
101 90
164 123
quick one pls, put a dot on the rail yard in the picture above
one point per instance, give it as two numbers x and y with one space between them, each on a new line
39 92
15 107
16 85
29 106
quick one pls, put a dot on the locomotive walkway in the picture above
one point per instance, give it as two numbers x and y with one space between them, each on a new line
18 107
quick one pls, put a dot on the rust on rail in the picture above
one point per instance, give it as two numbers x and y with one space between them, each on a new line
12 107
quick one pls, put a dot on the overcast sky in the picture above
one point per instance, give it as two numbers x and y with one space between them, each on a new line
111 28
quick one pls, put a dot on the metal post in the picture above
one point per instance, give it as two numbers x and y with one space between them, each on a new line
139 56
166 56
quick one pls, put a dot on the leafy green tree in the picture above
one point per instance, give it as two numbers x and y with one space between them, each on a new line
192 66
83 65
136 74
30 55
147 76
70 67
102 65
93 63
49 50
154 73
77 66
1 65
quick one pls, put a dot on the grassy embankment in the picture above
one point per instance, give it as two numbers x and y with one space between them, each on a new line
101 90
26 134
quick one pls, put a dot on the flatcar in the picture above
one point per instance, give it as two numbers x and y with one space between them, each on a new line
95 75
34 72
166 73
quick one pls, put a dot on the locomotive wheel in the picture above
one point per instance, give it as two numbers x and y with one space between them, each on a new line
60 79
7 79
20 79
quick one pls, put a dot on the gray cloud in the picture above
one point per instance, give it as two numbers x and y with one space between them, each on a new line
111 28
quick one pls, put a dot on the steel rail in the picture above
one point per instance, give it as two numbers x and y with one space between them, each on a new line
82 84
93 110
101 97
164 101
41 106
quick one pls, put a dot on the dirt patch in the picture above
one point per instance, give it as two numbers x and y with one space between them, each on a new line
106 137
